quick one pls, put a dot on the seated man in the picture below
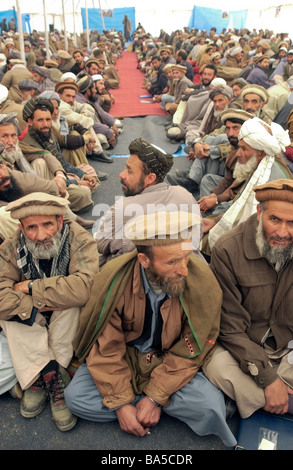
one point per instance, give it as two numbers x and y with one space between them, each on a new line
47 270
158 329
253 264
145 191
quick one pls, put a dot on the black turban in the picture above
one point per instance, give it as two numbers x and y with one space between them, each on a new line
156 160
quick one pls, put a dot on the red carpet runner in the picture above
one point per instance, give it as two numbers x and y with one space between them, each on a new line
128 95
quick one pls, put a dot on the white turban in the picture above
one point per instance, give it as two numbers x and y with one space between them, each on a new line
3 93
68 75
256 133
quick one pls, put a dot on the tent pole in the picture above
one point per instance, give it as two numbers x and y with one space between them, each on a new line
74 28
87 26
64 24
46 31
20 31
102 17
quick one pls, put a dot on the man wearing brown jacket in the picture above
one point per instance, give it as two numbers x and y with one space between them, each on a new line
158 311
47 270
253 264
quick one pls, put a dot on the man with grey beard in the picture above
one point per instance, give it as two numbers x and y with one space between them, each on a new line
258 161
47 270
253 263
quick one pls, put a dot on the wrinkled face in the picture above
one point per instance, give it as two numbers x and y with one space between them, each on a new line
168 266
42 234
8 137
177 74
277 221
252 103
245 152
220 102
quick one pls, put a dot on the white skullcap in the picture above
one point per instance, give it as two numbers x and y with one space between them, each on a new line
259 135
3 93
68 75
218 82
97 77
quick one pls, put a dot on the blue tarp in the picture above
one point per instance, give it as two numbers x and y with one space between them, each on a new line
207 18
111 22
8 14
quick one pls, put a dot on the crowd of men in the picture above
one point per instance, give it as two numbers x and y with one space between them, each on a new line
184 308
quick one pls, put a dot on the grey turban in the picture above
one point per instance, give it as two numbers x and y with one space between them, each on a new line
221 90
50 95
156 159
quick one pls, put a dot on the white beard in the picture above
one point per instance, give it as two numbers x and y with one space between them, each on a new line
243 171
12 156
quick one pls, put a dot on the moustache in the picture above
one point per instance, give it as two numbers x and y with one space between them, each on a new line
3 180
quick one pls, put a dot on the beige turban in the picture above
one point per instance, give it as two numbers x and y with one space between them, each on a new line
3 93
37 204
259 135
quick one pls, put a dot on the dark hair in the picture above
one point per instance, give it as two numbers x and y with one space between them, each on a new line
182 54
211 66
157 57
146 250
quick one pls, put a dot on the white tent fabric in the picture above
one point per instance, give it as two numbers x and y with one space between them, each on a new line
154 15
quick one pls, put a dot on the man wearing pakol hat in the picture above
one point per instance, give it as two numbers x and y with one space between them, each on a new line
12 77
253 263
182 83
213 160
80 113
181 59
29 89
43 77
254 97
104 123
158 327
194 125
144 191
40 140
66 61
55 73
258 161
47 270
258 75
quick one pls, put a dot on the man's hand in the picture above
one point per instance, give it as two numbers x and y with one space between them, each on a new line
208 224
127 417
89 181
148 414
277 399
61 183
201 150
207 202
22 286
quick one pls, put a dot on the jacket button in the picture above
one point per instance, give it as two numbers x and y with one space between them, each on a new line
23 315
39 304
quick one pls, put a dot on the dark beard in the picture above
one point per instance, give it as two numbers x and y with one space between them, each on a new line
12 192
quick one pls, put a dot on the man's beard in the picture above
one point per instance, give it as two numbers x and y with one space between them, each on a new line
136 190
40 251
166 285
12 192
233 141
273 255
217 113
243 171
11 156
255 113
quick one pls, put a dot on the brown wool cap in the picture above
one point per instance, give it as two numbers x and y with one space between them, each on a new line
179 67
276 190
239 114
257 89
260 58
59 87
37 204
63 54
162 228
